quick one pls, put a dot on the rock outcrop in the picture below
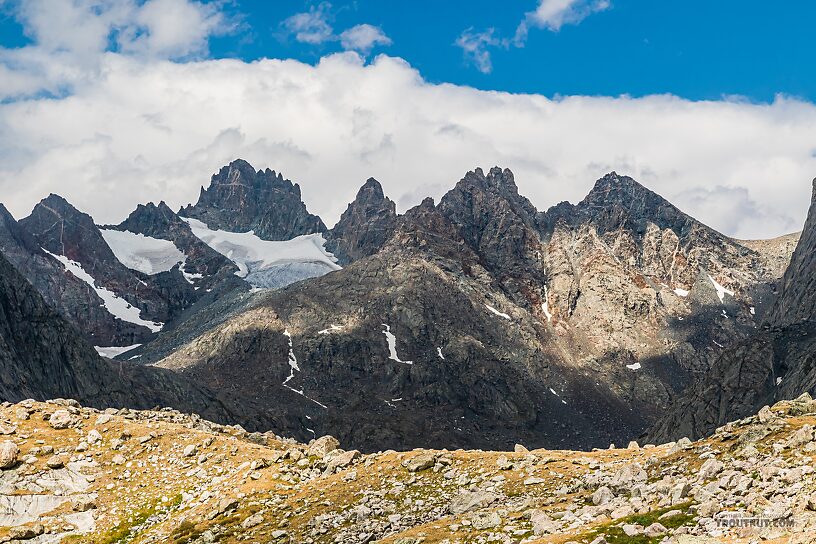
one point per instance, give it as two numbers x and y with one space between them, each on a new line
72 236
481 320
365 226
241 199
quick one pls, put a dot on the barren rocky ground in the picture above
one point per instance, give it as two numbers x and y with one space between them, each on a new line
76 474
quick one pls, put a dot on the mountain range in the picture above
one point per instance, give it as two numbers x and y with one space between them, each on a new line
475 322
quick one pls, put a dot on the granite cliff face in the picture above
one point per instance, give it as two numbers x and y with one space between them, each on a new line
241 199
777 362
403 348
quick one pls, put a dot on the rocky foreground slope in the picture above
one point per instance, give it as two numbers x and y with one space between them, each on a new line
82 475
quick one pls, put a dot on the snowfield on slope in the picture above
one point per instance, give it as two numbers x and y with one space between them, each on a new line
116 306
265 263
143 253
114 351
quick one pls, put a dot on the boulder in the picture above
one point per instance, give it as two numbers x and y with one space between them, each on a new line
62 419
8 454
467 501
323 445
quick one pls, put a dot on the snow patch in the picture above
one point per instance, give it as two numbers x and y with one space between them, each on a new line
545 306
439 352
495 311
681 292
189 276
557 395
778 381
332 328
752 310
633 366
142 253
113 351
265 263
721 291
116 306
293 366
392 346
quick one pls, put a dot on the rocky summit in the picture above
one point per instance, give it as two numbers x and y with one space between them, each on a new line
76 474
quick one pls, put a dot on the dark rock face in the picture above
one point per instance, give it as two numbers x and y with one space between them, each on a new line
71 297
477 322
778 362
495 220
44 357
240 199
797 303
63 230
365 226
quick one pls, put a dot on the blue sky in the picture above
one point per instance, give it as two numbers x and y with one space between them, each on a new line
112 103
694 49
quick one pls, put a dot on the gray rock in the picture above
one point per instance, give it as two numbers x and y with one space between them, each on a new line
422 461
322 446
467 501
8 454
602 496
62 419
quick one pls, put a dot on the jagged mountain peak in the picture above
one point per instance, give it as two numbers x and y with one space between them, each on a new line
618 189
240 172
365 226
371 187
497 178
151 220
241 199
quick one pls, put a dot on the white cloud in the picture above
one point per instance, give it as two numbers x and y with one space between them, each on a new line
553 14
70 37
475 47
731 209
550 14
311 26
363 38
139 130
129 123
172 28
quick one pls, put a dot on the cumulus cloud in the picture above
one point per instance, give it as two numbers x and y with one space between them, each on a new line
476 47
363 38
313 27
553 14
70 37
157 129
550 14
